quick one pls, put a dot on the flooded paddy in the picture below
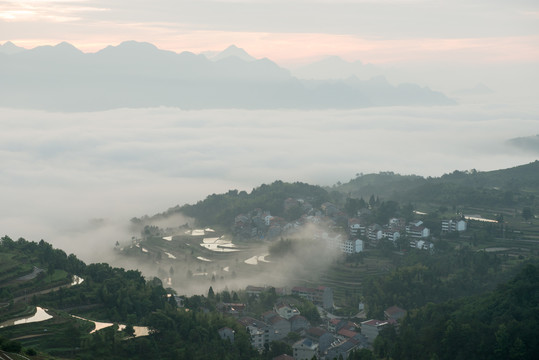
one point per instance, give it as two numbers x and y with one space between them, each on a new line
40 315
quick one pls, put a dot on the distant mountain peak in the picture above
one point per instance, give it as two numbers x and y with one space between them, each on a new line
233 51
131 48
58 51
136 44
9 48
67 47
135 74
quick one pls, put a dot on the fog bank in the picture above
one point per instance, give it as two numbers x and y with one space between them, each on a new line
62 171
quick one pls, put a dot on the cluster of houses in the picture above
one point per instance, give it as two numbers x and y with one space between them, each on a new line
321 295
334 338
395 229
328 227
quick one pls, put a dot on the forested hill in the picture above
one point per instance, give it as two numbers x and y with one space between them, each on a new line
507 187
499 325
107 294
220 209
515 187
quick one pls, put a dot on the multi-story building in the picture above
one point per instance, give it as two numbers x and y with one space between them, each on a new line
391 234
453 225
323 337
305 349
374 234
258 330
351 246
321 295
356 228
417 230
371 328
340 243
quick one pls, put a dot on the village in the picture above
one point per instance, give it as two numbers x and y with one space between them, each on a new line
330 336
338 230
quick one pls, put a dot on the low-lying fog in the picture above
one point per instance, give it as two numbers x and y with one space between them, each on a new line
75 179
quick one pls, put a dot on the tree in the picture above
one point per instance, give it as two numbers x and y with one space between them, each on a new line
12 346
527 213
211 294
129 330
293 213
225 296
384 342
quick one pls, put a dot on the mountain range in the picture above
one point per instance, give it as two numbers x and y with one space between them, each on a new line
135 74
334 67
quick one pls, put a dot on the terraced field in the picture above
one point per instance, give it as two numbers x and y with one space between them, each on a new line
347 278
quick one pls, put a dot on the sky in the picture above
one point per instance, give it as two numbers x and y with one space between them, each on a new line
291 31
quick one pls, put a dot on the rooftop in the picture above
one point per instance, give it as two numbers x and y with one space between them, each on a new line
374 322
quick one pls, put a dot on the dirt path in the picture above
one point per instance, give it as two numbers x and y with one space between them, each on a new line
35 272
41 292
30 336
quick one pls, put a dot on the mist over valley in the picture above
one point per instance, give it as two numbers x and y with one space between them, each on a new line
255 180
75 179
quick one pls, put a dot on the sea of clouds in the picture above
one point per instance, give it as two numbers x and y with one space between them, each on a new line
75 179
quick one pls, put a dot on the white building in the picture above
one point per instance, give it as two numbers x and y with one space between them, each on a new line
356 229
351 246
342 244
374 233
371 328
258 336
391 234
286 311
321 295
424 245
453 225
305 349
417 230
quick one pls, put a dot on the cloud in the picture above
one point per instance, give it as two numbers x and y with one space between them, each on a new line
60 171
371 31
46 10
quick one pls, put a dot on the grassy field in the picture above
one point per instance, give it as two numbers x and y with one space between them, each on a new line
11 268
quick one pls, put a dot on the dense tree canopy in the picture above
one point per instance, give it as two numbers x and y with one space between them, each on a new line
220 209
502 324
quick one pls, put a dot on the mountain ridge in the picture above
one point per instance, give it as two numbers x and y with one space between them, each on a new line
138 74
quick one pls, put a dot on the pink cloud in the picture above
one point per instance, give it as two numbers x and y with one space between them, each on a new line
291 48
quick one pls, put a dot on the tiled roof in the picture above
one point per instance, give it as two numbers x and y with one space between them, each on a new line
347 333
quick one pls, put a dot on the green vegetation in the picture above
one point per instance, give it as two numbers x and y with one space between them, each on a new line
435 278
444 322
220 210
282 247
116 295
515 187
502 324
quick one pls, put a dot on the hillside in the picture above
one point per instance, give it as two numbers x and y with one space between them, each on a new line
108 295
496 190
513 187
220 209
383 274
502 324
